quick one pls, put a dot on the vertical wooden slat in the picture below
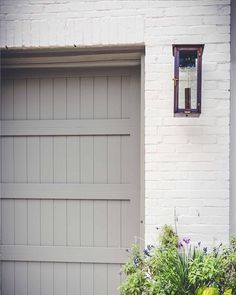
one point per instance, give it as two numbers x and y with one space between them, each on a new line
59 152
87 284
114 224
47 278
20 160
8 224
21 227
125 97
100 97
59 106
86 159
87 223
20 99
47 222
114 97
100 159
21 278
100 279
33 99
114 277
86 98
60 234
33 159
60 279
46 99
73 98
127 236
125 159
7 99
73 223
73 279
100 223
8 278
33 278
7 159
73 159
34 218
46 159
114 159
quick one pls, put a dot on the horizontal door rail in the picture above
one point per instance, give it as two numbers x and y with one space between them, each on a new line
66 127
67 191
63 254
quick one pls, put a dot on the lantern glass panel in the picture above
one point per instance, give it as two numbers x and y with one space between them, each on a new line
188 79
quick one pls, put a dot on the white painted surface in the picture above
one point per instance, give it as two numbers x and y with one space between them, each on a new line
186 160
233 122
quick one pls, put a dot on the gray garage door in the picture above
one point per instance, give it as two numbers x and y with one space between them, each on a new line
70 179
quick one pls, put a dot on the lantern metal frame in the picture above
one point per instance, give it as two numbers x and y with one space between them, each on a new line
177 48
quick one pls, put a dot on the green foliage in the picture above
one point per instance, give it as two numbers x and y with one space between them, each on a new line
168 237
175 268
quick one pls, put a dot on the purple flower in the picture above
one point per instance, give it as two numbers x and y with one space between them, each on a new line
180 245
146 252
150 247
205 250
199 244
136 261
186 240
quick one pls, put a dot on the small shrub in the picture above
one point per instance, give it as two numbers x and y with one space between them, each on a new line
177 268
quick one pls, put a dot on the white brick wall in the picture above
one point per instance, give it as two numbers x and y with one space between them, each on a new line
187 159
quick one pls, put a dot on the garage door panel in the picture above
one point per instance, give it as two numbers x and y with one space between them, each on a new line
59 278
87 284
7 99
21 223
46 278
87 223
33 159
59 98
74 278
33 278
21 278
86 98
8 281
100 279
114 97
73 98
20 99
46 159
100 98
33 98
20 159
100 223
114 230
34 220
114 159
8 221
70 205
46 99
73 223
7 159
100 159
46 222
59 159
73 159
97 223
59 223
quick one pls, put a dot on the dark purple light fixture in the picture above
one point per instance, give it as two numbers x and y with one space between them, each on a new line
187 79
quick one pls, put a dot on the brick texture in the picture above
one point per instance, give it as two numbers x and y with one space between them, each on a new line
186 159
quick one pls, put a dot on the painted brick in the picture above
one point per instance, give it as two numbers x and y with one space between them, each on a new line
187 159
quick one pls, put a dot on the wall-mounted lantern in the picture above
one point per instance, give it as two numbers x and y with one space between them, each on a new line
187 79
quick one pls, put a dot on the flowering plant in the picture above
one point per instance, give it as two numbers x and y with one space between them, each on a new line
175 267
